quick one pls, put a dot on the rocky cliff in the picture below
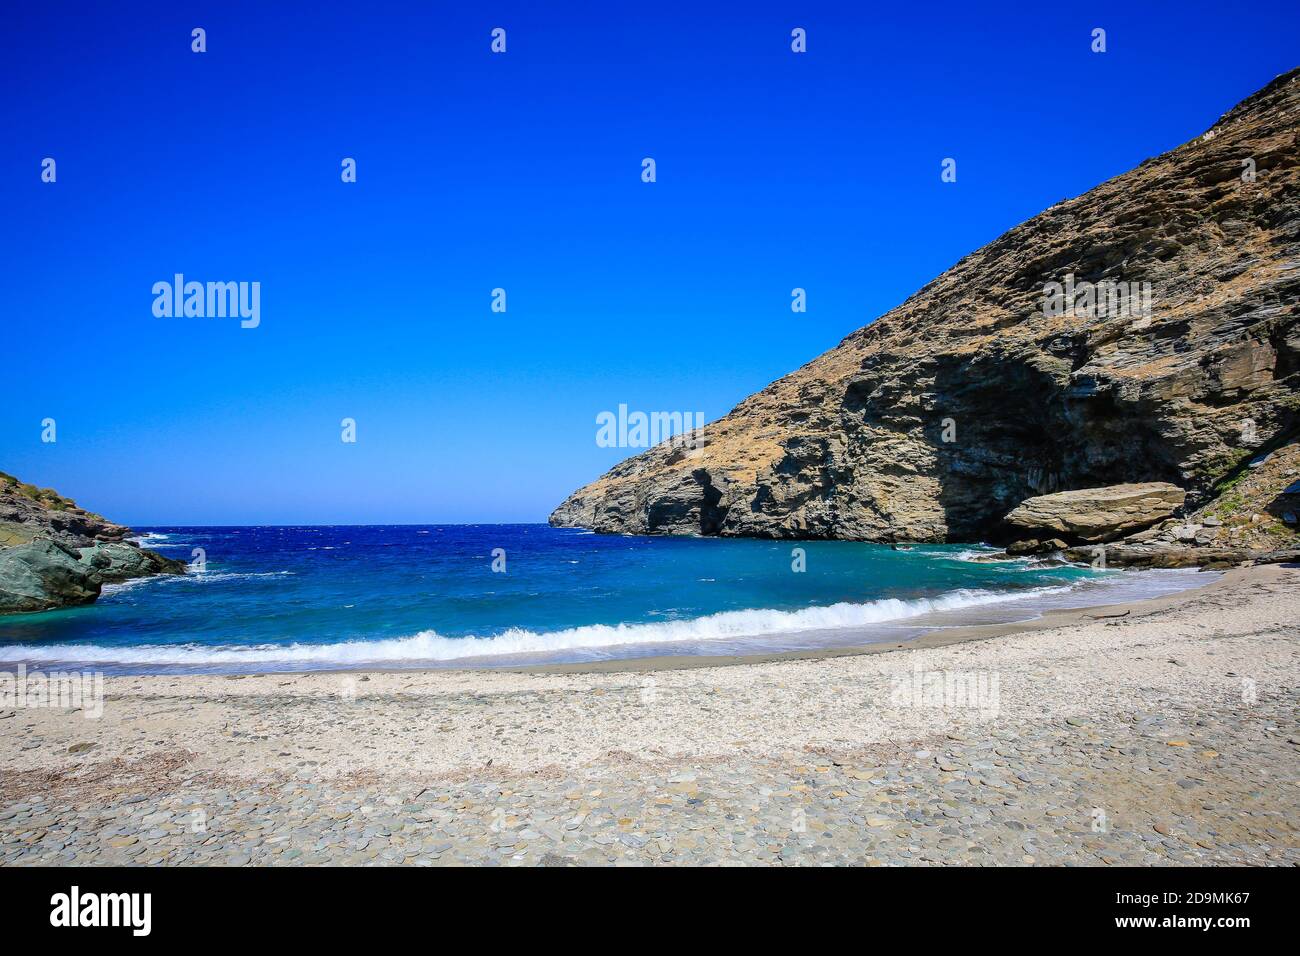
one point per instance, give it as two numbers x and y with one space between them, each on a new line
28 512
54 554
991 385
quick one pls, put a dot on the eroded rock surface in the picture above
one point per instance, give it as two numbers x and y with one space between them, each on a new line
1098 514
28 512
942 416
43 575
119 561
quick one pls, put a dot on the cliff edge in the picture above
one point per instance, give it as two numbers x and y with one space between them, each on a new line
1145 331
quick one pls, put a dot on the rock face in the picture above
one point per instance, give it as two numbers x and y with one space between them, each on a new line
28 512
1097 514
942 416
54 554
1247 520
120 562
42 575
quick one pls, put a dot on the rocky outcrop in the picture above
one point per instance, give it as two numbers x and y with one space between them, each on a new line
1258 507
1097 514
1252 518
54 554
28 512
121 561
42 575
944 415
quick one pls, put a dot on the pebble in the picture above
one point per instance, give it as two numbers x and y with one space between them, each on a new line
746 810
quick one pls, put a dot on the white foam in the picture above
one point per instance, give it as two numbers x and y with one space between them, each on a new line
433 647
117 587
148 538
980 553
729 632
156 542
191 576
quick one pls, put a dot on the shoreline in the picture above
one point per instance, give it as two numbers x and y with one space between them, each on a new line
1176 724
939 637
923 631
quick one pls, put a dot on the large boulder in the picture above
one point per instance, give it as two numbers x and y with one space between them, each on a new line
1093 515
118 561
42 575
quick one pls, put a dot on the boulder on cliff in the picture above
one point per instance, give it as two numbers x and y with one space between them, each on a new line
1092 515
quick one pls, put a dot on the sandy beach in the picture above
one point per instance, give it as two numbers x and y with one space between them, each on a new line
1163 732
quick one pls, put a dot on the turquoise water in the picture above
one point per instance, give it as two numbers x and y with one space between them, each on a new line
395 596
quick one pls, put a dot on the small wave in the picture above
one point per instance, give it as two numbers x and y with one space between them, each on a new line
117 587
152 539
193 576
979 555
1007 562
206 577
165 545
434 647
972 554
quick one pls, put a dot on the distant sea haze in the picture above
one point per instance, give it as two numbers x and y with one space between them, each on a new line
300 598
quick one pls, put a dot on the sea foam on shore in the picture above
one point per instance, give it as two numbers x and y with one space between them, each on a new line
757 631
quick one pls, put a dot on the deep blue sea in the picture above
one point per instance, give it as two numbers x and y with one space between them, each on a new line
418 596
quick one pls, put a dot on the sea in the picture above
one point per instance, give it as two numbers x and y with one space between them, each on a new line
261 599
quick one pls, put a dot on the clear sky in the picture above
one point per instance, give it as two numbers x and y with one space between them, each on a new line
522 171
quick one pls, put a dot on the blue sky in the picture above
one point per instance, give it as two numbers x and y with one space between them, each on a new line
520 171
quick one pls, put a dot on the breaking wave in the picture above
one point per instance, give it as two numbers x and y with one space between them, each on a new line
433 647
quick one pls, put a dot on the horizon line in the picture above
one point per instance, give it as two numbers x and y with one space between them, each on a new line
399 524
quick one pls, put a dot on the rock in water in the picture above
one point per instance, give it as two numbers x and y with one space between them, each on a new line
43 575
118 561
1098 514
939 418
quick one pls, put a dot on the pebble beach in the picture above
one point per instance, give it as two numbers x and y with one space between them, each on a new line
1163 732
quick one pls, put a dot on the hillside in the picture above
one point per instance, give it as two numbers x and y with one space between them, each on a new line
853 444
